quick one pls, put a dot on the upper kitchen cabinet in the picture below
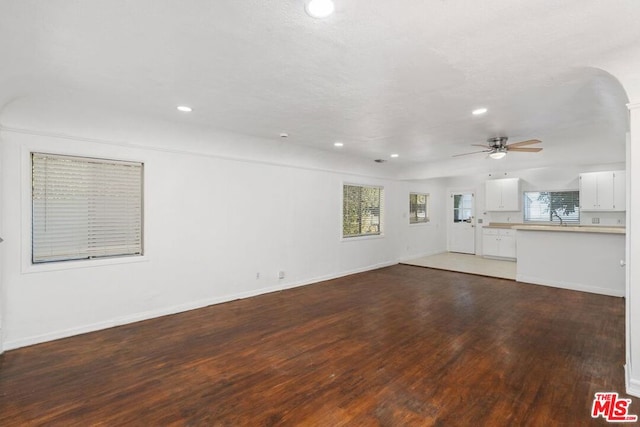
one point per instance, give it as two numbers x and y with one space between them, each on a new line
503 195
602 191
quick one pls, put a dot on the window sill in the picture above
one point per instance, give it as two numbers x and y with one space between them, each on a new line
74 265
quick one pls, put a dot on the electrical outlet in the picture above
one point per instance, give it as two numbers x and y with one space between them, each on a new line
257 275
280 274
595 220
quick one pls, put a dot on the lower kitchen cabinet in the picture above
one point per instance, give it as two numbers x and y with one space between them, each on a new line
499 242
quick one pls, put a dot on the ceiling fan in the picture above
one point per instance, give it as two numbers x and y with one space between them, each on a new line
498 147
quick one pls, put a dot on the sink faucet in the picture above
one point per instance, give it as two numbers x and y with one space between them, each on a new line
556 214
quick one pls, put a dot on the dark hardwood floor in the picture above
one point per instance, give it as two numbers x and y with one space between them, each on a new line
397 346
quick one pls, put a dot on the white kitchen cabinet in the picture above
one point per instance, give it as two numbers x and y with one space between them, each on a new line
602 191
503 194
620 191
507 247
499 242
490 242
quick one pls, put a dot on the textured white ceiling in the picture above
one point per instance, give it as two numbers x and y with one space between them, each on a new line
383 77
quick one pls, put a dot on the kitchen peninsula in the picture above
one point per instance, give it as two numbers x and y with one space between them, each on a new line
582 258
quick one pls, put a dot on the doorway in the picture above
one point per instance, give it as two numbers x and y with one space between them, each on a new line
462 231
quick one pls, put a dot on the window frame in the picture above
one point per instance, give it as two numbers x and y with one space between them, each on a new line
426 209
354 237
25 234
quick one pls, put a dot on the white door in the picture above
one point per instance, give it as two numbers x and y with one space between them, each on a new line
462 235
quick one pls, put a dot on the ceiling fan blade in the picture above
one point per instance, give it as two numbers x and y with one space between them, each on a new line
528 150
475 152
527 142
481 145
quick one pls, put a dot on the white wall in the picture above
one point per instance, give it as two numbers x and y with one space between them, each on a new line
633 253
626 68
2 298
430 238
211 224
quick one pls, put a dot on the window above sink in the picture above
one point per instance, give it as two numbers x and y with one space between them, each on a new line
548 207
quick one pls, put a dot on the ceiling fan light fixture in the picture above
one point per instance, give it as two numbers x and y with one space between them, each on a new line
319 8
498 147
498 154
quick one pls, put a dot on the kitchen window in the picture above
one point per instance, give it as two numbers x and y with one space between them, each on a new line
418 208
84 208
561 207
361 210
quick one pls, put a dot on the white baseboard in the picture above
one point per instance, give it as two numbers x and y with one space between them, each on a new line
123 320
335 276
572 286
633 385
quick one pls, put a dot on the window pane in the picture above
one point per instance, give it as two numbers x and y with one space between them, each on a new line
361 210
462 207
551 206
418 211
351 211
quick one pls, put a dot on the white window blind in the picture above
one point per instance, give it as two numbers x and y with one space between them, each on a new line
85 208
361 210
551 206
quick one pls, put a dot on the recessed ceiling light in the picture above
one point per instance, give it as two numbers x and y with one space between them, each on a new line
284 135
393 156
319 8
184 109
338 144
479 111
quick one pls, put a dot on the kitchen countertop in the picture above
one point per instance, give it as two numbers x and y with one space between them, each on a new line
565 228
572 228
501 225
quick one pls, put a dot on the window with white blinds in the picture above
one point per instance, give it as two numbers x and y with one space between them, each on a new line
85 208
552 206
